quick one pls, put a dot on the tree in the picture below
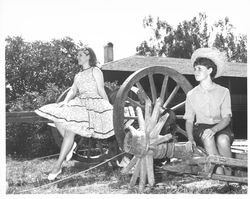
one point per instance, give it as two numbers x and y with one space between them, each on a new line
190 35
31 67
225 40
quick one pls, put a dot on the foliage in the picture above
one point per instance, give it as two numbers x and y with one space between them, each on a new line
225 40
180 42
30 67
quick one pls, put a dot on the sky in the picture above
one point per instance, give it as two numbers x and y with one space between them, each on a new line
97 22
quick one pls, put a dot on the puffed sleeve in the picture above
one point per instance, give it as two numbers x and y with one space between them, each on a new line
226 105
189 111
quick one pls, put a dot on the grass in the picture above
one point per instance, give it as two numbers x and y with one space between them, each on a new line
25 175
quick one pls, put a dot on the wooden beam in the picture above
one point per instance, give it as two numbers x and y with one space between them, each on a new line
230 178
227 161
26 117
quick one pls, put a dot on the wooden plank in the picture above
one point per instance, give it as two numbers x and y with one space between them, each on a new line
21 114
227 161
230 178
25 117
243 156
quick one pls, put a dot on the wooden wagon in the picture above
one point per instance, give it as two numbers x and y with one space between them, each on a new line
147 123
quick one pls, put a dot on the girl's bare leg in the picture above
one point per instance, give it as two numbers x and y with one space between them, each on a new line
67 144
60 128
211 149
224 148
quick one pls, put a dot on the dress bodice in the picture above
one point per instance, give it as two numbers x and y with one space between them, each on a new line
85 82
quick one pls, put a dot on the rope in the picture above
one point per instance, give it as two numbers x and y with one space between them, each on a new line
45 157
76 174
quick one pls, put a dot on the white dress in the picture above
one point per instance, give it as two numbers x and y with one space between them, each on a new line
88 114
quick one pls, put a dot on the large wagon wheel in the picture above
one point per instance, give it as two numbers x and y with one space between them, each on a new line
156 81
89 150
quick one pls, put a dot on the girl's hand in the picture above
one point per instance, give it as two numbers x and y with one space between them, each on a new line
189 146
208 134
61 104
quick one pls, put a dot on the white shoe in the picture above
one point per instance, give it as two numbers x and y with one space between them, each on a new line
124 162
52 176
70 154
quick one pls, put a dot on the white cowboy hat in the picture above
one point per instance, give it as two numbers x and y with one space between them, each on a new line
213 54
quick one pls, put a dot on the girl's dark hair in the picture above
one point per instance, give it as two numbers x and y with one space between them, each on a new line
208 63
92 56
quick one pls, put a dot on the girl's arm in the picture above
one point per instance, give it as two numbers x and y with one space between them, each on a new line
98 75
226 113
189 130
71 94
221 125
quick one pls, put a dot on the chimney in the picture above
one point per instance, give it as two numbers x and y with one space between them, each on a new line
108 52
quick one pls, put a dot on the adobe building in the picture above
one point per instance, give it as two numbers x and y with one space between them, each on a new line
235 79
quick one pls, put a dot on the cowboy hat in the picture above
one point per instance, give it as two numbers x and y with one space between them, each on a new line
219 58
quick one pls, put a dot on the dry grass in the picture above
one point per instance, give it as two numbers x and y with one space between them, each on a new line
26 175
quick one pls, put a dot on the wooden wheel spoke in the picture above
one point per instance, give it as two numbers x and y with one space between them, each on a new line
140 119
131 117
172 95
181 131
141 93
134 103
164 87
178 106
152 88
133 161
179 116
99 144
89 147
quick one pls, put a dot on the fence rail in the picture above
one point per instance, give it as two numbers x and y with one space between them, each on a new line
24 116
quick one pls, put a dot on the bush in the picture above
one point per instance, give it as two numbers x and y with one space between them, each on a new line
31 140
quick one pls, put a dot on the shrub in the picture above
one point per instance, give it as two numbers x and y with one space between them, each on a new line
31 140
